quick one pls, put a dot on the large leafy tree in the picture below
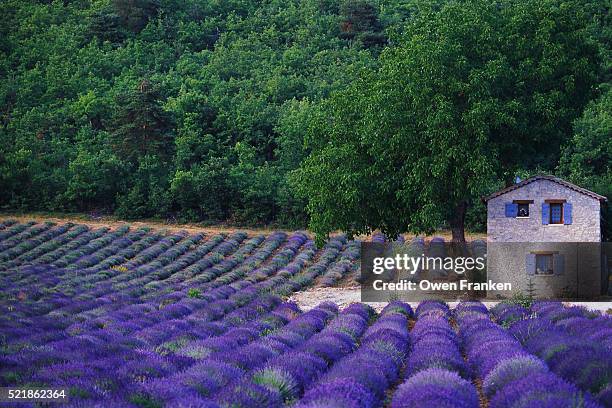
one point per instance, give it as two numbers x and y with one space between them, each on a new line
587 158
471 93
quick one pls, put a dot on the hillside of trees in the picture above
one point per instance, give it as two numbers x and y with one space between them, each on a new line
219 110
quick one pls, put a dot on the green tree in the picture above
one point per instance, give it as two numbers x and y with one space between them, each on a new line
587 157
473 92
96 175
105 25
360 22
239 84
141 126
148 194
134 14
256 185
204 192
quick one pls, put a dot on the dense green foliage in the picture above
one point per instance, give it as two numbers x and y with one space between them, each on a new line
170 108
587 160
473 93
355 114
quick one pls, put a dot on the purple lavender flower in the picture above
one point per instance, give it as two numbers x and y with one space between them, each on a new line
525 329
361 309
330 346
304 367
510 370
249 357
246 394
435 388
587 366
277 380
351 324
144 367
378 238
432 306
388 342
192 401
207 377
436 355
396 322
397 307
344 393
537 388
507 313
605 396
290 338
362 371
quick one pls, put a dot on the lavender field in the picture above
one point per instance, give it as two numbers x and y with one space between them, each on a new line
130 317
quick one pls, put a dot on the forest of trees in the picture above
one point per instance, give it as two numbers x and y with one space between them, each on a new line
274 111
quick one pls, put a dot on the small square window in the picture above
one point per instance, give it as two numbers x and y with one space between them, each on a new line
556 213
523 210
544 264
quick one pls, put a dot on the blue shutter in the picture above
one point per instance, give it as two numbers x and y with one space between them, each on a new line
558 264
567 213
530 264
511 210
545 213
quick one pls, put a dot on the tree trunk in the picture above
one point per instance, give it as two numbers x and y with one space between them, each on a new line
457 224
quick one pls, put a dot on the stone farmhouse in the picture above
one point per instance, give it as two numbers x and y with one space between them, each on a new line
544 236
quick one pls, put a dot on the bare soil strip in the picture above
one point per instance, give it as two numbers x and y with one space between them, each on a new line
114 223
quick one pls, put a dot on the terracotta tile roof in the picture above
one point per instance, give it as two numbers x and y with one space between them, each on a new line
549 178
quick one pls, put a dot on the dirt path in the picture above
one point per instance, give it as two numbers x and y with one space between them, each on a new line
343 297
447 235
114 223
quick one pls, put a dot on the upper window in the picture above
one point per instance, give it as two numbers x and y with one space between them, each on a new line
556 213
518 208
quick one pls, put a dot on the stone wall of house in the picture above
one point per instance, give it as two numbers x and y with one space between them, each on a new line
581 277
586 216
